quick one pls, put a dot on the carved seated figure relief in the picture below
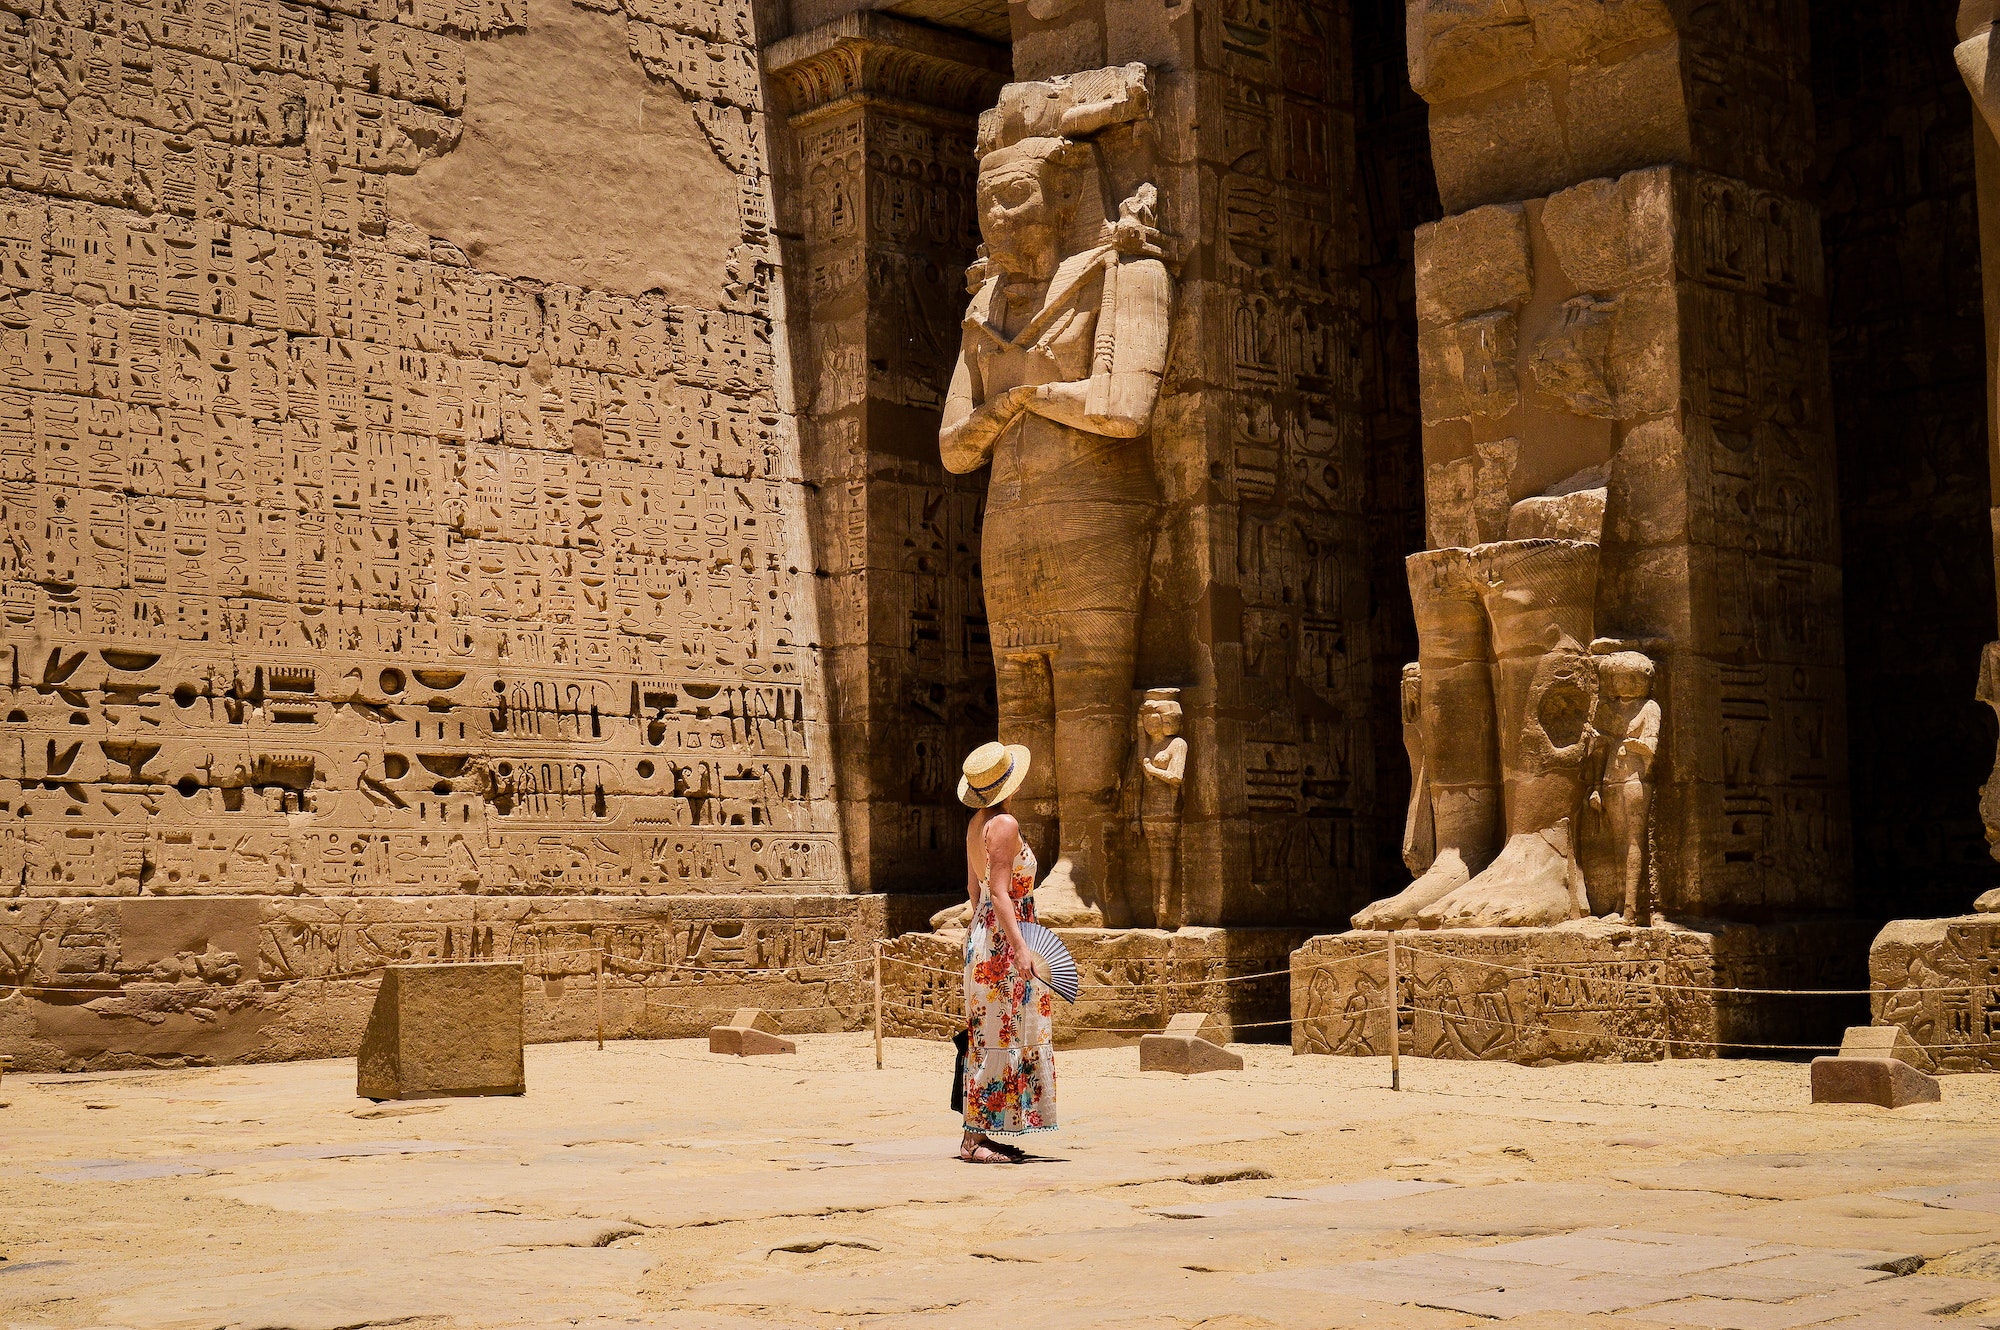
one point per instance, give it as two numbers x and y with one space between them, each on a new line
1059 369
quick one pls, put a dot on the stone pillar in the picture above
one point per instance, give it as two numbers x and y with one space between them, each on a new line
1258 608
1624 306
875 170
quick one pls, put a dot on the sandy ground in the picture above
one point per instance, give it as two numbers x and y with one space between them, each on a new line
654 1184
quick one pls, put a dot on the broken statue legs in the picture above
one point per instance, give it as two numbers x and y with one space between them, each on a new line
1538 597
1507 686
1461 751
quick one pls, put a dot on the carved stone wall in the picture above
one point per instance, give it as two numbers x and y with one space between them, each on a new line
1590 990
1134 981
1940 980
877 206
398 491
1901 233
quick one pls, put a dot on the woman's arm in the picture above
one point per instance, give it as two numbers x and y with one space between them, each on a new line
1003 842
977 828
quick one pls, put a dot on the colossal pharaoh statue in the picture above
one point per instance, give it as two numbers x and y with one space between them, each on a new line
1058 372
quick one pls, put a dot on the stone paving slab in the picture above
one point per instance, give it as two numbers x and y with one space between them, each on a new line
651 1185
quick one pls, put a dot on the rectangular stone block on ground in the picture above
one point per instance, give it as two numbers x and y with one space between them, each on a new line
173 982
749 1033
1939 979
1187 1047
1134 982
440 1030
1884 1082
1577 992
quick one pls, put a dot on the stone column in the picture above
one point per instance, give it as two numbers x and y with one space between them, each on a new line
1259 604
1626 301
875 175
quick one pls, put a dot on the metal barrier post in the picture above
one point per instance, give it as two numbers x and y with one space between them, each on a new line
878 1004
1395 1020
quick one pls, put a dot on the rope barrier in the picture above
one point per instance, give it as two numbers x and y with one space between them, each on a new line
1544 1027
1689 988
889 959
810 974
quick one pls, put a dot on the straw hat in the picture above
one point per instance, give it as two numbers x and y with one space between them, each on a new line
992 773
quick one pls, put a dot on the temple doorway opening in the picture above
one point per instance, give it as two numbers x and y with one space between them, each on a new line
1900 231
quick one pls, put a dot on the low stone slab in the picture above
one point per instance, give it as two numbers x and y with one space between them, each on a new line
1882 1041
1886 1082
1188 1046
1576 992
1185 1055
749 1033
1134 981
443 1030
1939 980
267 979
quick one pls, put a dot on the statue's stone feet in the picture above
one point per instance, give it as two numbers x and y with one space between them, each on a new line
1988 903
1526 886
1058 903
1447 873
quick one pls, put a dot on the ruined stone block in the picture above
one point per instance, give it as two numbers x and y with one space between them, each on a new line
1133 978
751 1032
1924 973
1885 1082
443 1030
1882 1041
1574 992
1187 1047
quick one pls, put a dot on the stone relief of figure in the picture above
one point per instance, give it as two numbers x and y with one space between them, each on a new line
1623 740
1058 372
1162 763
1419 834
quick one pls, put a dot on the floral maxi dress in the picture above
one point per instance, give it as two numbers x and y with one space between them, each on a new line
1010 1067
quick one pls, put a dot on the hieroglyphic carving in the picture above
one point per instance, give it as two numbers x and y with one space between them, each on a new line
1591 990
1940 980
127 982
332 565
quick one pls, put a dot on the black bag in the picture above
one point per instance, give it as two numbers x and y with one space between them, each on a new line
962 1041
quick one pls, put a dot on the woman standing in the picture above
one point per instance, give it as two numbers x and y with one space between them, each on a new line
1010 1070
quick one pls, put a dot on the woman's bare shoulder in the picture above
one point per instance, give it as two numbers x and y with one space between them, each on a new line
1001 828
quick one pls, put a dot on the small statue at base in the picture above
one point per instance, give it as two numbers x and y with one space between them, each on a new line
1624 739
1163 761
